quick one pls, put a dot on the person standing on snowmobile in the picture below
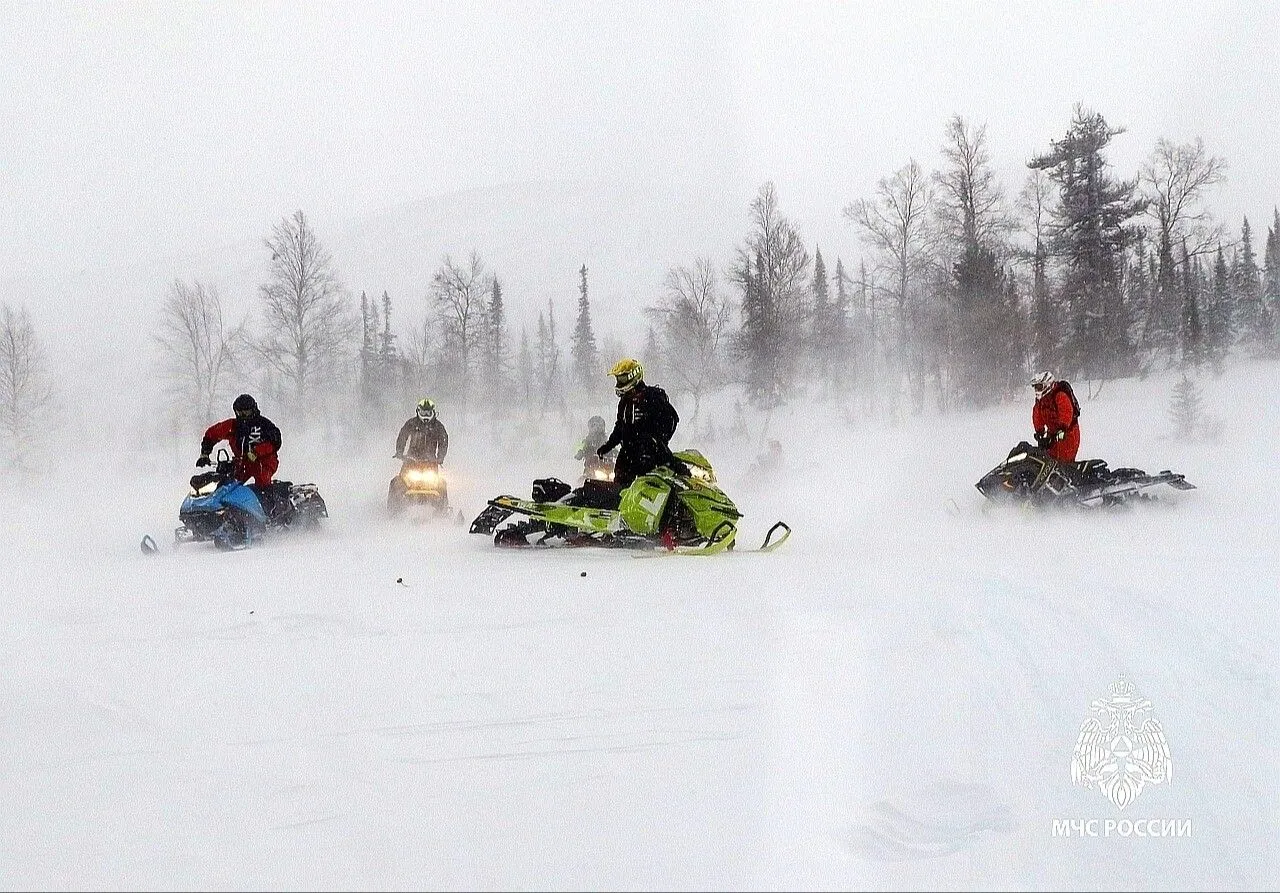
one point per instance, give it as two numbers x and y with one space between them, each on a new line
1055 417
646 422
424 435
254 439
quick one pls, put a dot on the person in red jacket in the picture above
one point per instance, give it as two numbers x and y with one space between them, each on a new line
1055 418
254 439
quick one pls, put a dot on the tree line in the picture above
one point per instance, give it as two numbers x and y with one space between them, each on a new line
962 289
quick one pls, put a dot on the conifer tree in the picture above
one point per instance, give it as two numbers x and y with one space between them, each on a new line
586 357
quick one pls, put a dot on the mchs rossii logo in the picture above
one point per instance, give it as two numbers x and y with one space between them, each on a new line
1121 748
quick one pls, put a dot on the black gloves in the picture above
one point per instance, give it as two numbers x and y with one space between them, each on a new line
1046 438
202 461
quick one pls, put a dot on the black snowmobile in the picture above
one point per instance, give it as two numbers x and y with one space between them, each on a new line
1031 477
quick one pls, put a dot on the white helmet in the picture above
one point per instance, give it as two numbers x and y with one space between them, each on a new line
1042 382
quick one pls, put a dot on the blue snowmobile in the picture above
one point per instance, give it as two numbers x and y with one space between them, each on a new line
233 515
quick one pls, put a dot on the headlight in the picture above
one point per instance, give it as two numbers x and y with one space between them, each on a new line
697 472
415 476
205 490
602 474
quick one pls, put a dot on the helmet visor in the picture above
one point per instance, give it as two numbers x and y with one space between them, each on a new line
1042 383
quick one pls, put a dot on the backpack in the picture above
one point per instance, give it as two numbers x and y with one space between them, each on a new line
664 425
1065 385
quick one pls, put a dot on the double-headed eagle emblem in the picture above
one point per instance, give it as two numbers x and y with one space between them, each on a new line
1121 748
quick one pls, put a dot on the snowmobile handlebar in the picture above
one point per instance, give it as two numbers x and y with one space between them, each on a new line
403 458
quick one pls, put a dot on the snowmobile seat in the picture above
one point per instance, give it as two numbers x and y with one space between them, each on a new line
275 498
550 489
596 494
1090 471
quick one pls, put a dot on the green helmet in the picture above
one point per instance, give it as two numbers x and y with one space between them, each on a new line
426 409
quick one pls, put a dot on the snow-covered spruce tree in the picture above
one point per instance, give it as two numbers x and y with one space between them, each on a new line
497 353
586 357
1217 317
773 273
1254 321
381 366
1089 234
1271 286
1192 332
525 376
1185 408
390 366
1174 179
819 330
972 227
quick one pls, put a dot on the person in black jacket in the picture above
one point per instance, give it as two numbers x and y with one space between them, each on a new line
423 438
646 422
254 440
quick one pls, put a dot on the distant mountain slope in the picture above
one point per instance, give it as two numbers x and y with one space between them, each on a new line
534 236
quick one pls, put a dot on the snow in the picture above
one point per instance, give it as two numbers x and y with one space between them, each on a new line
889 701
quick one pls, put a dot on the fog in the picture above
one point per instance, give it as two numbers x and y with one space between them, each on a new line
893 699
146 142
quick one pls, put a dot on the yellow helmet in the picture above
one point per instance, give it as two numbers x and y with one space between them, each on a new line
627 374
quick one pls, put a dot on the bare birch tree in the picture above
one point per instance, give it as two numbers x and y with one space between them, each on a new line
310 324
26 389
692 320
1035 206
198 350
895 223
970 206
460 292
1174 179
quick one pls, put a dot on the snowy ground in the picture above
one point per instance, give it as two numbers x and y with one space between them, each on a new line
890 701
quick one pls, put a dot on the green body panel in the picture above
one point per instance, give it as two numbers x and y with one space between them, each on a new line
587 520
643 502
643 505
710 508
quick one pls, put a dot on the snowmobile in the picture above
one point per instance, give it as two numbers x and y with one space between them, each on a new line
233 515
419 483
1029 476
660 510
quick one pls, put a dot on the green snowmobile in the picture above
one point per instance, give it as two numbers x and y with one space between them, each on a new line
659 510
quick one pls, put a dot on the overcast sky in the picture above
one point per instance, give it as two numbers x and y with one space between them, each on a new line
135 131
